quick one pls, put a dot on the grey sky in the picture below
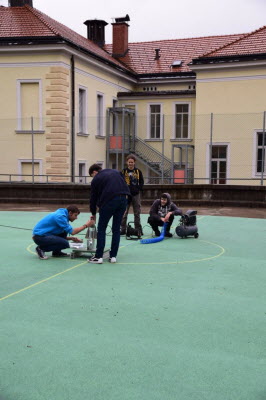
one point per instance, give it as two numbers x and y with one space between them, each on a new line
160 19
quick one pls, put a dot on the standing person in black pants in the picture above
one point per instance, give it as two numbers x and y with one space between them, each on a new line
134 179
110 193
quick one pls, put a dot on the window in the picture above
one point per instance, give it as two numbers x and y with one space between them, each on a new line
26 170
260 150
82 172
29 105
182 112
155 121
100 117
218 164
83 126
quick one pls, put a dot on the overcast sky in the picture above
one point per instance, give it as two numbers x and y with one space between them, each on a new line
160 19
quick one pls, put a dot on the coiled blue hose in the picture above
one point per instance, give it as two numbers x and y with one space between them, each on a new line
155 239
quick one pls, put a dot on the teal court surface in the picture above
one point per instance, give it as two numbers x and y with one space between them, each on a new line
182 319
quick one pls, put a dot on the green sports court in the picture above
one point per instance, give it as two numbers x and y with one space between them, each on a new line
182 319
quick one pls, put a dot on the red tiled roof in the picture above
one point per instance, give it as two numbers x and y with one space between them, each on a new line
19 22
141 56
30 22
251 43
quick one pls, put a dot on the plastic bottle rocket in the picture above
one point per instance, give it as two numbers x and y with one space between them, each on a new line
91 237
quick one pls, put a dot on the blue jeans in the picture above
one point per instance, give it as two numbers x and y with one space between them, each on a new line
54 243
114 208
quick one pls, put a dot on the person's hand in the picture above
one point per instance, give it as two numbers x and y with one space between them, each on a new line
91 222
76 240
166 219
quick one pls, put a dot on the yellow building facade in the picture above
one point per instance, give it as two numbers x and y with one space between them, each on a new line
199 104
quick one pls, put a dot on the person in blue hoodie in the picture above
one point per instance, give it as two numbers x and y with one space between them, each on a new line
51 232
163 210
110 193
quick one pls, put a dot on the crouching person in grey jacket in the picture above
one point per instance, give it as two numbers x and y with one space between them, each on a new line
163 210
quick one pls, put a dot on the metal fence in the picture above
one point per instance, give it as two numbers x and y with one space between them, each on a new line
223 148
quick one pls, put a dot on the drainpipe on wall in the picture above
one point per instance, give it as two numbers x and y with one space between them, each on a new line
72 140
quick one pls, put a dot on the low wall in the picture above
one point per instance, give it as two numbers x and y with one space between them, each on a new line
205 195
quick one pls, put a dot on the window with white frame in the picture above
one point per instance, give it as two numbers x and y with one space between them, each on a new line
29 105
83 116
260 152
100 115
155 121
82 171
182 112
28 171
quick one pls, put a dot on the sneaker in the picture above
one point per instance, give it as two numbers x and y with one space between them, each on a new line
41 253
60 254
168 234
157 232
122 232
95 260
112 260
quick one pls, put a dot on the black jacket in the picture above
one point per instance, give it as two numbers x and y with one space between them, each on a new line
134 180
107 184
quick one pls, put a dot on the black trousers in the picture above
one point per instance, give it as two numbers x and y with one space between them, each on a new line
155 222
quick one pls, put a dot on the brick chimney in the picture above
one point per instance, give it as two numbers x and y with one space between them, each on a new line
96 31
120 36
19 3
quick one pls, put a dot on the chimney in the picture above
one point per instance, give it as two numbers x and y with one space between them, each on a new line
120 36
19 3
96 31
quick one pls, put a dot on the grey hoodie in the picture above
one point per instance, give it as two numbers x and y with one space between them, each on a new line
157 210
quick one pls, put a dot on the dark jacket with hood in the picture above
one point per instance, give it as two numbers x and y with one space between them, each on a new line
158 211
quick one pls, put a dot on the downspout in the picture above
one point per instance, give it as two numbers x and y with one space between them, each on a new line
72 144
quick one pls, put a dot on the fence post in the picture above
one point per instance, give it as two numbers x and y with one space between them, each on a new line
32 150
263 149
210 150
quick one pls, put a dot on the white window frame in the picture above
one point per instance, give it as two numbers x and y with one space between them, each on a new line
228 145
19 103
29 161
149 120
83 178
100 119
189 120
256 174
83 130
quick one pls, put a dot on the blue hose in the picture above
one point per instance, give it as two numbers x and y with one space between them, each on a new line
155 239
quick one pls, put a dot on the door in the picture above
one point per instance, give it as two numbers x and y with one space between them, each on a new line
219 165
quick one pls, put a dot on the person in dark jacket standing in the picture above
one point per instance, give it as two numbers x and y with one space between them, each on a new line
163 210
110 193
134 179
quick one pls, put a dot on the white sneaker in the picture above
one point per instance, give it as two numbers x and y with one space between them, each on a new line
95 260
112 260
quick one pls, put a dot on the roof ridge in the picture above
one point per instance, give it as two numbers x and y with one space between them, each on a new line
245 35
188 38
40 15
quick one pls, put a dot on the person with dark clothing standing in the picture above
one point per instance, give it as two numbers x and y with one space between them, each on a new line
163 210
134 179
110 193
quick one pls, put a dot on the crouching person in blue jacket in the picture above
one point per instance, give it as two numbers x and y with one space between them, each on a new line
51 232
